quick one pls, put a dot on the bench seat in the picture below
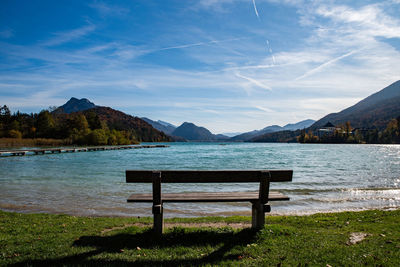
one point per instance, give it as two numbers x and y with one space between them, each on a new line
209 197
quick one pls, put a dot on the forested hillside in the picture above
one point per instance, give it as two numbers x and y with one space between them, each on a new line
375 111
96 126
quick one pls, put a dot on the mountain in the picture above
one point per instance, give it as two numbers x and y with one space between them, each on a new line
271 129
191 132
222 137
166 128
231 134
114 119
375 111
121 121
166 124
162 126
75 105
298 125
286 136
249 135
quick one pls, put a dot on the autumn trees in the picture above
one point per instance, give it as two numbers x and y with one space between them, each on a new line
346 134
76 128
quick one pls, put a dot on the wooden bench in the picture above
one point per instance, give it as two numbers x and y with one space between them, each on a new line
259 199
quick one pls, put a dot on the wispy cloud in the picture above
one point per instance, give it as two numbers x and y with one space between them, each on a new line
109 10
369 21
6 33
216 5
67 36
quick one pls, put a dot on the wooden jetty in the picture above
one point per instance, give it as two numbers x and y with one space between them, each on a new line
24 152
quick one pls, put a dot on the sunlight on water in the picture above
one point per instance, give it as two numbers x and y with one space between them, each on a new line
326 178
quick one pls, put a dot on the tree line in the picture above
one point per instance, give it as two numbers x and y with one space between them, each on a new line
75 128
346 134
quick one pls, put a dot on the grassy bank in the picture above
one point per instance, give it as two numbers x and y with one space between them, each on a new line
321 239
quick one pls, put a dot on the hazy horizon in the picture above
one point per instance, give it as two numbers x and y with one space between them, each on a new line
229 66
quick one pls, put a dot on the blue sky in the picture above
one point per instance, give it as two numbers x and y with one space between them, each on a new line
228 65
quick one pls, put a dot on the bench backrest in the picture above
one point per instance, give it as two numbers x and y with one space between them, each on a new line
202 176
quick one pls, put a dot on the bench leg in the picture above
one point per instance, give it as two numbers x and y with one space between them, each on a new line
258 216
258 211
158 220
157 204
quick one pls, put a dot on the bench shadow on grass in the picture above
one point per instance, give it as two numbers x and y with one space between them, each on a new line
223 239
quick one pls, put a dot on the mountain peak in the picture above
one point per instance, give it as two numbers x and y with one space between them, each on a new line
75 105
188 124
192 132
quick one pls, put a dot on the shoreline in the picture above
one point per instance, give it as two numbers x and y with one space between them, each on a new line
31 152
205 215
16 143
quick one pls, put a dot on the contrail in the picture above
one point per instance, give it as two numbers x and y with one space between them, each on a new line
198 44
268 110
270 51
254 81
269 47
249 67
314 70
181 46
255 9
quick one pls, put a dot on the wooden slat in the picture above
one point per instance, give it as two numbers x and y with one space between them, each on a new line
208 197
200 176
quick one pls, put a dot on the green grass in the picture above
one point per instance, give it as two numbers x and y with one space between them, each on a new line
317 240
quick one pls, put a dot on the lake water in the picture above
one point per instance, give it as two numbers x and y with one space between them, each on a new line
327 178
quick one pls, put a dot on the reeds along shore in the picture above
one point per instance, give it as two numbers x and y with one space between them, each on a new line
28 142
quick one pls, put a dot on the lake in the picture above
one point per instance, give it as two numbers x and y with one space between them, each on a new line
327 178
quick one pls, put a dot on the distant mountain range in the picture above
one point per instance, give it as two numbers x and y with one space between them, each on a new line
271 129
190 132
375 111
163 126
231 134
166 128
187 131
